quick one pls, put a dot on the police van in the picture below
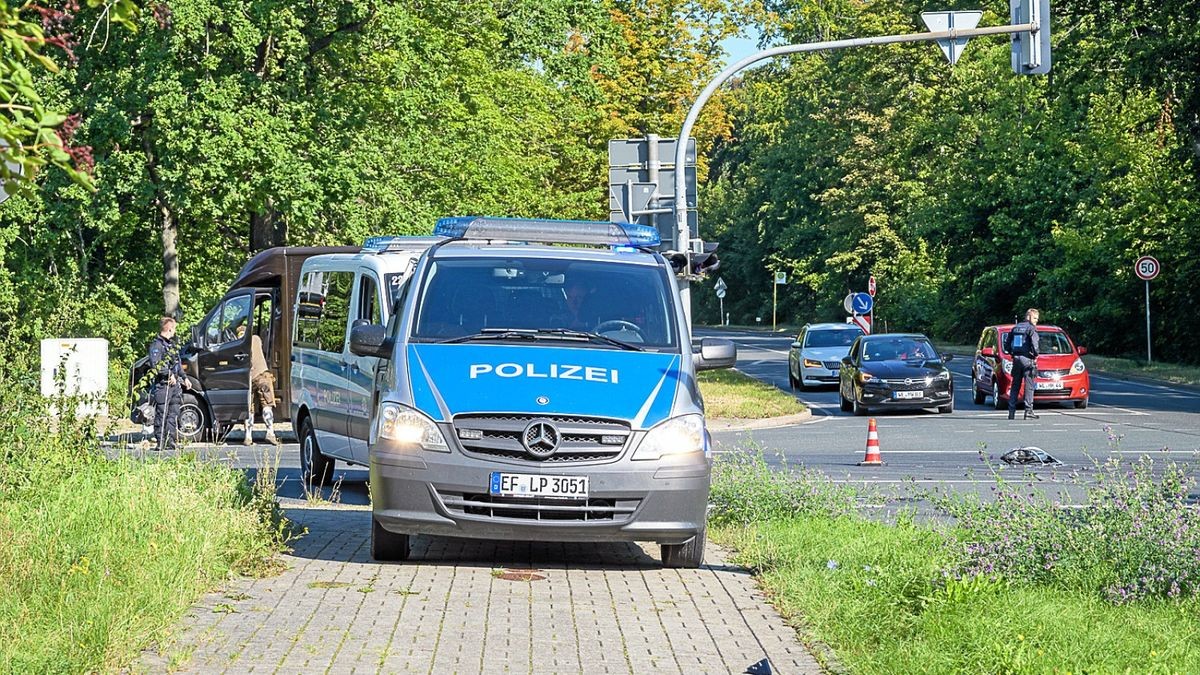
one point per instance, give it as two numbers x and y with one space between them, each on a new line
331 389
538 383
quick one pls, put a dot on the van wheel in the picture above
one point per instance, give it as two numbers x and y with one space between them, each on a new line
997 402
388 546
685 556
193 420
316 469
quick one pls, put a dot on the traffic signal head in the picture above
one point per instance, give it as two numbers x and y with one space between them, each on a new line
1031 51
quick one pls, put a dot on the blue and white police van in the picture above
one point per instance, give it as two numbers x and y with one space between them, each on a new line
537 382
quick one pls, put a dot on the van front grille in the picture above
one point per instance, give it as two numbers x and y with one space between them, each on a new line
582 439
540 508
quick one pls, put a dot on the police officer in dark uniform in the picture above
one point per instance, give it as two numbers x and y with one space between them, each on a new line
169 382
1024 348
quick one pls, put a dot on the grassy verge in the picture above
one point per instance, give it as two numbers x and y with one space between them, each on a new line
101 557
1170 372
1015 585
728 393
868 591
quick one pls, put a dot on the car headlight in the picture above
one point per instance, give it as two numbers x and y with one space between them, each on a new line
410 429
1008 367
677 435
1078 367
944 375
864 377
809 363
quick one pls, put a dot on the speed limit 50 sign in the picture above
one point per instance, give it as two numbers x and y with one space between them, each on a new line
1147 267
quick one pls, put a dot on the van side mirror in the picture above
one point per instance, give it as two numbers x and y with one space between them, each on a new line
1081 350
370 340
715 353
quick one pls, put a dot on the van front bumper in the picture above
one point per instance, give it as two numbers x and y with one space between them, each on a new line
447 494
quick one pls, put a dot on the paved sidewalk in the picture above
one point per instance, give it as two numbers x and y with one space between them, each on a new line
463 606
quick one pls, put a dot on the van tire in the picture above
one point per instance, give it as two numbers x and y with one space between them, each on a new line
685 556
388 546
193 414
316 470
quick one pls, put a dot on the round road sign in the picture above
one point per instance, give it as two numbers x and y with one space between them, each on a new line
721 293
1147 267
862 303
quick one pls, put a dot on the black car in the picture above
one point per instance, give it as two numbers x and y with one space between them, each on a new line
895 371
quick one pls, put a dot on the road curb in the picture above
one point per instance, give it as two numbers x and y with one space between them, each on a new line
739 424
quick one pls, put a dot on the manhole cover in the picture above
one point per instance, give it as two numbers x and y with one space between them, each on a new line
519 575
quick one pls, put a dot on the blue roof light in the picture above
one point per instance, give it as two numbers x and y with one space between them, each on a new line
548 231
384 244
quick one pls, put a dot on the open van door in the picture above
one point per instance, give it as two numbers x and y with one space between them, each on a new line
223 357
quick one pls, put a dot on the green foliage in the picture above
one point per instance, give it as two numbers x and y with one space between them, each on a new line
970 193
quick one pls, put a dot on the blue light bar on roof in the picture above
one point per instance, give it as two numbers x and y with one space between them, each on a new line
548 231
388 243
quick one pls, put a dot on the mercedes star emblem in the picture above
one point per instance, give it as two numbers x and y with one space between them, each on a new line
540 439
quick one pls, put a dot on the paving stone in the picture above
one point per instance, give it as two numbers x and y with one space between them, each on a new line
597 608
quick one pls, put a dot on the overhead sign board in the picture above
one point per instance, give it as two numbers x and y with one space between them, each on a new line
1147 267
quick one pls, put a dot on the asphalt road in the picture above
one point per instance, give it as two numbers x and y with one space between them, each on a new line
1124 419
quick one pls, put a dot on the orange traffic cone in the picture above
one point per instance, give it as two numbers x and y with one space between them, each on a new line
873 457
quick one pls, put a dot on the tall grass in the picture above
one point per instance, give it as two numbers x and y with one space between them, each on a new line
1011 585
102 556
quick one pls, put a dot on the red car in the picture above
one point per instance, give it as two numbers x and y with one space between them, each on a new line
1061 375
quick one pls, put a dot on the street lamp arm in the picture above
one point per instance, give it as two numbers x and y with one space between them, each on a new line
681 227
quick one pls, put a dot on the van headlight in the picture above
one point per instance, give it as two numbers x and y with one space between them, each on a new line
676 436
1077 367
410 429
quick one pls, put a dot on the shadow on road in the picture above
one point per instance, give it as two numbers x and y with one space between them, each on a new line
340 534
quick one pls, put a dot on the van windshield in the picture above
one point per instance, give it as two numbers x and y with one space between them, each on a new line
544 298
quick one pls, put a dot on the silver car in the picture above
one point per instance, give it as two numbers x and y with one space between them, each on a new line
815 358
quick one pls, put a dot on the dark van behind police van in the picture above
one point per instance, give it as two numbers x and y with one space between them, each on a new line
217 361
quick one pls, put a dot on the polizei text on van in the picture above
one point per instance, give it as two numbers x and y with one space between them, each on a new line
554 371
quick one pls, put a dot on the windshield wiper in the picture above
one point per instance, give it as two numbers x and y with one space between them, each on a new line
540 334
493 334
595 337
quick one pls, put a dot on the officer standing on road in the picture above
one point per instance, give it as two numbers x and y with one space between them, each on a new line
169 381
1024 348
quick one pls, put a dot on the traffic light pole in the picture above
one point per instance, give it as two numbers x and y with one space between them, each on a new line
682 233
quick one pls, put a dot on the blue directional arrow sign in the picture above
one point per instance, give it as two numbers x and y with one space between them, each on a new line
862 303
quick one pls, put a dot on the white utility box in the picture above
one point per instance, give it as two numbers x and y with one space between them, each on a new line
85 361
